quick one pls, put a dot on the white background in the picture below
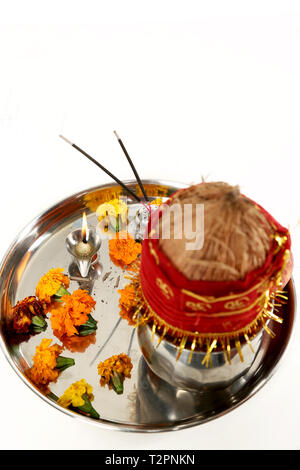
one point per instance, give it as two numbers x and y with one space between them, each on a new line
194 89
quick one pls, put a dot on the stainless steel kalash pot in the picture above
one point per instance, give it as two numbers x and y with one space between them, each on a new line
193 374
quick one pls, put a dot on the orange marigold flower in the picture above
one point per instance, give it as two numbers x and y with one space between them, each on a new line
123 249
128 303
73 313
118 366
50 283
24 311
44 369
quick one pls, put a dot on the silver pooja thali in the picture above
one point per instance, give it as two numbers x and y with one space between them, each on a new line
148 404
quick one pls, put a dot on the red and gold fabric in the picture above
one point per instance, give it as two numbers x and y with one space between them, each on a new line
201 309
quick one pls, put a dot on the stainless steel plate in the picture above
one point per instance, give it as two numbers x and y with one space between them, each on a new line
148 404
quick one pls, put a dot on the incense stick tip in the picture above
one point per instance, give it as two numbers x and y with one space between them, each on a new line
117 135
65 139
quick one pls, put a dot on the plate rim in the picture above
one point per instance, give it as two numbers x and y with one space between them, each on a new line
120 426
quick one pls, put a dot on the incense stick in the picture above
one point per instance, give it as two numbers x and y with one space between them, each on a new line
102 168
106 341
132 166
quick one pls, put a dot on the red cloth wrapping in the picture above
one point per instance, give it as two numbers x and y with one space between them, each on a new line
205 306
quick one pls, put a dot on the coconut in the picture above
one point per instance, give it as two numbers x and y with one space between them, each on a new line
237 236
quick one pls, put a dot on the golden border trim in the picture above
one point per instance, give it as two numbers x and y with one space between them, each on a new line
230 335
212 299
229 312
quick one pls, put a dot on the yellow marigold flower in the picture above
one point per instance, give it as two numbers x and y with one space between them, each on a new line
50 283
94 199
73 394
152 190
73 313
114 208
114 370
158 201
44 369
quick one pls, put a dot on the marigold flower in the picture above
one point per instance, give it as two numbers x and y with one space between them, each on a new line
114 208
155 190
79 395
123 249
54 283
127 303
114 370
94 199
74 313
47 363
157 202
28 314
73 394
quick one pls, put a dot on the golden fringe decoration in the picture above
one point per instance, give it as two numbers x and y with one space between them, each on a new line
193 345
207 358
239 349
228 351
195 341
162 336
224 350
182 346
153 331
248 342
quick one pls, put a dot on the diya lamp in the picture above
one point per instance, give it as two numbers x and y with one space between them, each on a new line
83 244
203 313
